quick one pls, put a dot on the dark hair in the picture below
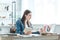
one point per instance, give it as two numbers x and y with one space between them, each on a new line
26 12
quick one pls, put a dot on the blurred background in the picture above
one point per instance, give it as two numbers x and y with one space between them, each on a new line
43 11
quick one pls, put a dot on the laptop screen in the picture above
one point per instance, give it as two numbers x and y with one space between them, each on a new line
55 29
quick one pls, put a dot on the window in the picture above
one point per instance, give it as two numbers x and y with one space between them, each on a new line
43 11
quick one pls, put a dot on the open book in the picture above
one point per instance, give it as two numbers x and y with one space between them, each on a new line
27 29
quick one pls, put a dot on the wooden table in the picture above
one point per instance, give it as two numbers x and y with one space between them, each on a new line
55 37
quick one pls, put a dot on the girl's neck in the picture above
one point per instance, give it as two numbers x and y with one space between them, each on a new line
25 21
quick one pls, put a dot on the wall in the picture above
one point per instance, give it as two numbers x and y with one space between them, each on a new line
43 11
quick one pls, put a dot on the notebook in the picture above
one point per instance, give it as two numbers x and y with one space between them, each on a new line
27 29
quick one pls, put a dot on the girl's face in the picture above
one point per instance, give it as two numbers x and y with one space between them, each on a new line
28 16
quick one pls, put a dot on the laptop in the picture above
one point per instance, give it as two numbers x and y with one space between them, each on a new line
55 29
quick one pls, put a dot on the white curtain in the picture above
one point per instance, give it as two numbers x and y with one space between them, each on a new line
43 11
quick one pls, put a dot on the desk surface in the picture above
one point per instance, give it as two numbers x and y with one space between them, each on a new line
52 37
